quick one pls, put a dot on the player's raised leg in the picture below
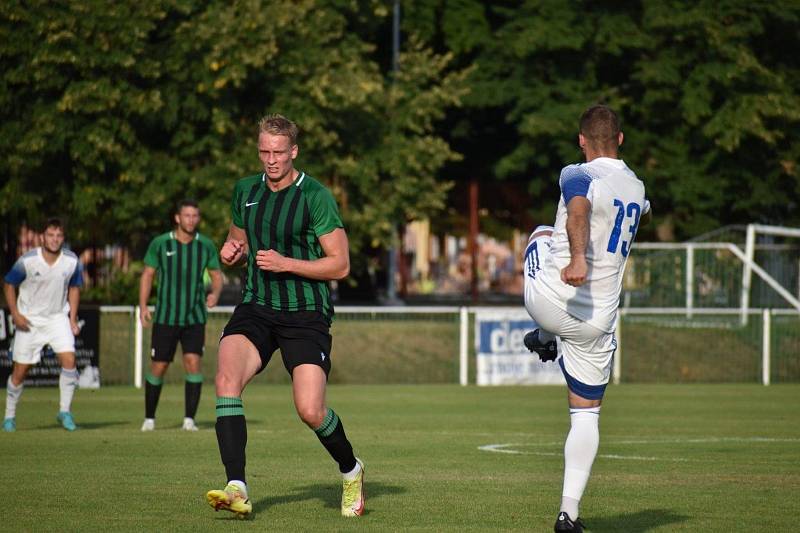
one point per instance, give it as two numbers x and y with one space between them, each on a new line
308 387
536 253
238 361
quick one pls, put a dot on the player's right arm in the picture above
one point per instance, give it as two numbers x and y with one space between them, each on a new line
577 193
578 210
15 276
234 250
145 285
20 322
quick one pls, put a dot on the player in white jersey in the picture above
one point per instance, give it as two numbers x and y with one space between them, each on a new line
574 293
45 312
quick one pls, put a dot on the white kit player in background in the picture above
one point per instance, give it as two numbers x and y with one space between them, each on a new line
45 312
572 287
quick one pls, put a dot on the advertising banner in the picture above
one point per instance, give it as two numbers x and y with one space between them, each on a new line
502 356
47 371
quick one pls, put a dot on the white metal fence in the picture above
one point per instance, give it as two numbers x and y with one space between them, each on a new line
418 344
695 307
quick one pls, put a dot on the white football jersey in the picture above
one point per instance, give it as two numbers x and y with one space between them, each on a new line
43 288
618 202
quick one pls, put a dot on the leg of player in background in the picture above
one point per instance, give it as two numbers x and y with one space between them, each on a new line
308 389
154 380
580 450
192 388
67 383
14 386
238 361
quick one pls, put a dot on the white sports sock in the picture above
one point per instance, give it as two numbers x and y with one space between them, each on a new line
13 392
580 450
545 336
351 475
67 383
241 485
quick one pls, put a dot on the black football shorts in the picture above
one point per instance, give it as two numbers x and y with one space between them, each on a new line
165 339
302 336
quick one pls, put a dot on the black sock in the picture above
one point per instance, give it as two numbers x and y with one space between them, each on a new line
191 393
331 435
152 391
231 436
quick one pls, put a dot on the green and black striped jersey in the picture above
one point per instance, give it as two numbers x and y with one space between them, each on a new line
181 296
289 221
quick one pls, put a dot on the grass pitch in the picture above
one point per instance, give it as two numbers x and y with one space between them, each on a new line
438 458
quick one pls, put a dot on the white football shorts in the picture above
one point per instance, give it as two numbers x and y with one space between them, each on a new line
54 330
586 351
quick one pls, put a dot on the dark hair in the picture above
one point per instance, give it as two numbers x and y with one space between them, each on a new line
600 125
53 222
186 202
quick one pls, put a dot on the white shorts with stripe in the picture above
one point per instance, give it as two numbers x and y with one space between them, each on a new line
55 331
586 351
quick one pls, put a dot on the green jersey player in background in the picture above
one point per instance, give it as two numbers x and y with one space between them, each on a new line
181 258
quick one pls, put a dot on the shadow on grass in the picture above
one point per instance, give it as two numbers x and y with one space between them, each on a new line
328 494
84 425
638 522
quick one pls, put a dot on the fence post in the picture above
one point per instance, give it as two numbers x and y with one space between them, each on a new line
137 351
689 279
747 271
617 371
463 350
765 346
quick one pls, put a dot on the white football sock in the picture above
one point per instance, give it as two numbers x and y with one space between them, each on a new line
351 475
241 485
545 336
13 392
580 450
67 383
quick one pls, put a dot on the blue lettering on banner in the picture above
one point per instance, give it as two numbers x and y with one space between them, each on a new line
499 337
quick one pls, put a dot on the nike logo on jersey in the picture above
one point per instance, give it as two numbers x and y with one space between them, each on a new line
248 204
172 253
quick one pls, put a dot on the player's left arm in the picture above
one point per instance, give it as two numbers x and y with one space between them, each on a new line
334 265
578 210
74 297
216 288
647 215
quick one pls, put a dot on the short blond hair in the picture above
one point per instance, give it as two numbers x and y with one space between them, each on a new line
276 124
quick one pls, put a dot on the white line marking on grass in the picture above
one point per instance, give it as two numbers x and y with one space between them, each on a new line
506 448
511 448
705 440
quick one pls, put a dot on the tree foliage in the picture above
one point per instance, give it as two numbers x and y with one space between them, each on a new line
112 112
708 92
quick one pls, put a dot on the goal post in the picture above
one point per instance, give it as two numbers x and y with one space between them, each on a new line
749 265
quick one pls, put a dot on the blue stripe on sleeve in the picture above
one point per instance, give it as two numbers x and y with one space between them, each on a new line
16 275
77 277
574 182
